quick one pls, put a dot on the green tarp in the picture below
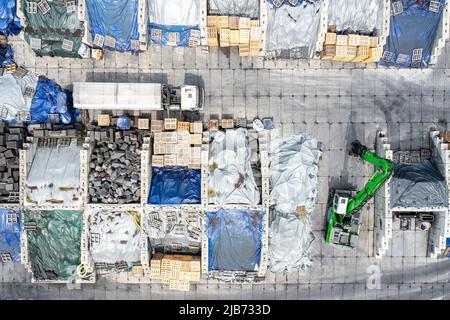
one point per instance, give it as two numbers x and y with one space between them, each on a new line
54 247
53 27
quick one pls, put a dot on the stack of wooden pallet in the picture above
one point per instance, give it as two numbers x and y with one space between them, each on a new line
227 31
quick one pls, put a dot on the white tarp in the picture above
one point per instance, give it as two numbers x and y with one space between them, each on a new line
358 16
242 8
293 173
290 243
174 12
231 179
55 175
13 99
293 27
118 237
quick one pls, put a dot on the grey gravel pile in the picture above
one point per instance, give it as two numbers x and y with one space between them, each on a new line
115 166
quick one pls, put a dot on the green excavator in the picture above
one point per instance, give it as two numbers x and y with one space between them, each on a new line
344 215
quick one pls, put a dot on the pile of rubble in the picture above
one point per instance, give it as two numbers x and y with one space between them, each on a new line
115 166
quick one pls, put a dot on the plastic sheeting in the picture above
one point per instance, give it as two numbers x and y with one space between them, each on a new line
175 185
114 18
241 8
234 239
118 237
54 176
53 27
289 243
9 21
10 233
174 231
293 172
14 101
415 28
294 28
174 19
292 3
355 16
48 99
54 247
6 55
231 179
418 185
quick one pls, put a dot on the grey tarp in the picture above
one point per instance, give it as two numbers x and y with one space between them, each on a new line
241 8
357 16
418 185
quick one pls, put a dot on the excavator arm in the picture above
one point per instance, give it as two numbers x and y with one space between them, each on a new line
344 216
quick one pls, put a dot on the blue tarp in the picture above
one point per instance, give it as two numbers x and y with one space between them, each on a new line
49 98
6 55
414 28
116 18
175 185
9 22
10 234
234 239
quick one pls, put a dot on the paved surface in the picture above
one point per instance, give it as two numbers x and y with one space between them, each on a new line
334 102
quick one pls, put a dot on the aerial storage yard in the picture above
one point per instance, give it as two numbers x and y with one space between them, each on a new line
224 149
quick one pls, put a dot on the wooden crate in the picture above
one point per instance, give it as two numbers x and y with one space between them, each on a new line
328 52
170 160
233 23
170 137
170 124
234 37
211 21
143 124
157 160
159 148
227 123
244 23
158 137
362 53
351 53
255 23
364 41
341 53
330 38
213 39
244 36
341 40
170 148
156 125
224 37
222 22
255 34
196 127
183 126
244 49
373 42
195 139
375 54
353 40
183 137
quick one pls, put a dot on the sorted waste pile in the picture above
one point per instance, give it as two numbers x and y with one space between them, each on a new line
10 228
54 243
115 166
11 140
54 176
175 231
231 179
114 240
293 179
178 271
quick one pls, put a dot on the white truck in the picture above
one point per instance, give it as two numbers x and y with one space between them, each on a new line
136 96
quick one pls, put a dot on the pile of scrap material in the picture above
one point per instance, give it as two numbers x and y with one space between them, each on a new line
231 179
178 271
10 228
226 31
115 166
54 243
418 185
174 23
413 30
248 8
52 27
174 230
114 240
54 176
293 178
293 30
11 140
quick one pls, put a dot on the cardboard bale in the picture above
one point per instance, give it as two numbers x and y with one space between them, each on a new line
143 124
195 139
183 126
353 40
211 21
233 22
183 137
227 123
159 148
170 160
341 40
328 52
213 39
330 38
156 125
196 127
234 38
213 125
157 160
170 124
222 22
244 23
170 137
103 120
224 37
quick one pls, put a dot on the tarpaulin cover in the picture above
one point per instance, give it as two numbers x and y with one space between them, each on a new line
414 28
289 243
174 20
124 123
54 247
234 239
355 16
293 172
118 237
418 185
14 101
175 185
115 18
9 21
6 55
54 176
58 24
291 28
10 233
231 179
49 98
174 230
241 8
292 3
